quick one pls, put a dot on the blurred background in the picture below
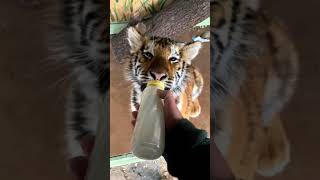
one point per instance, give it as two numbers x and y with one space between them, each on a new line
301 118
31 96
32 93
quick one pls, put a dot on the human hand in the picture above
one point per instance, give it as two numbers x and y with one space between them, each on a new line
172 115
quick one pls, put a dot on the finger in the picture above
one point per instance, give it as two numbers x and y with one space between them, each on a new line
170 107
165 94
171 111
162 93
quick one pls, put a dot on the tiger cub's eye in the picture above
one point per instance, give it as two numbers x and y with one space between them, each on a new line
173 60
148 55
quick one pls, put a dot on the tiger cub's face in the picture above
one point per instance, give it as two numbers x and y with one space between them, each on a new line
156 58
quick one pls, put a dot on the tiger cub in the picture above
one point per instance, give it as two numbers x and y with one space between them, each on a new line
82 42
254 69
157 58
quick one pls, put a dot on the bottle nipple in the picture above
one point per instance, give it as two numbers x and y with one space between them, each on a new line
156 83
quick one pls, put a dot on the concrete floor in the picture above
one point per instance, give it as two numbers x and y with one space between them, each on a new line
145 170
31 108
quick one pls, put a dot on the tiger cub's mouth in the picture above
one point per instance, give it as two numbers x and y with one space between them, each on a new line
144 85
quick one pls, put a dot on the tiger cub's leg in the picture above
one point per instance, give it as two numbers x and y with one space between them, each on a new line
275 153
249 154
231 137
82 116
242 151
251 95
196 91
196 108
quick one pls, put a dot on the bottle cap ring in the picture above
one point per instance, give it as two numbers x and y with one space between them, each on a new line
156 83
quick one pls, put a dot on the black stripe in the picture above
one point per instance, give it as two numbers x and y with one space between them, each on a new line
218 43
134 96
78 117
135 59
100 22
178 75
235 12
90 16
249 14
81 6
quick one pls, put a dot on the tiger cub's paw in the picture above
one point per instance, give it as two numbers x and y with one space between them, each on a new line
276 155
195 109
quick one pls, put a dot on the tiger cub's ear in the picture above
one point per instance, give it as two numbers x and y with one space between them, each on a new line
135 39
141 28
190 51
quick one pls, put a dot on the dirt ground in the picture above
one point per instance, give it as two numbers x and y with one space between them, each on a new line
31 102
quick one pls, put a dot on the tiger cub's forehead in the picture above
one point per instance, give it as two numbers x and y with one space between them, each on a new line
163 46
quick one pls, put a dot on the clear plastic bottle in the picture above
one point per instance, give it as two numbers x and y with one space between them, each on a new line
149 132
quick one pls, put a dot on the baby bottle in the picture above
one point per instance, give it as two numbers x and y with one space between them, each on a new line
149 131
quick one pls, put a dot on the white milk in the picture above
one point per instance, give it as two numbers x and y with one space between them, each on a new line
149 132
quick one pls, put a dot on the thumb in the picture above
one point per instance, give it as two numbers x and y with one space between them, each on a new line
171 111
166 95
168 98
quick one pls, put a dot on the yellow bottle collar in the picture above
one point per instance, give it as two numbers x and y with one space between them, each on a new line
156 83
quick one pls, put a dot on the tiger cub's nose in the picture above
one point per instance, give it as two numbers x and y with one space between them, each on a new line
158 75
